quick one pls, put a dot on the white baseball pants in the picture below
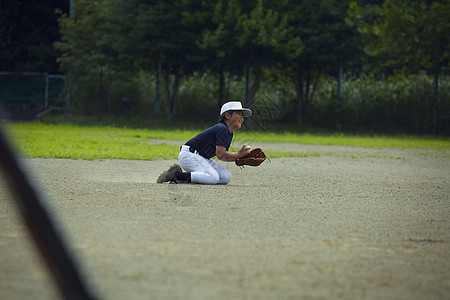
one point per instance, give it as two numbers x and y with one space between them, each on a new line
203 170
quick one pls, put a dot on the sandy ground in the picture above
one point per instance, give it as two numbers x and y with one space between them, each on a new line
348 223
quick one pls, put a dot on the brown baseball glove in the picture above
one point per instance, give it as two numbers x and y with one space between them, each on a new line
254 158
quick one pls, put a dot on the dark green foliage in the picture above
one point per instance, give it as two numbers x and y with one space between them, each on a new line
186 57
27 31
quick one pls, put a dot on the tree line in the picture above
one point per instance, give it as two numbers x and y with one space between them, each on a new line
116 50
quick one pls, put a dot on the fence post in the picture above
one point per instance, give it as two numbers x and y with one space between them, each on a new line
46 90
158 75
69 88
436 100
247 82
69 73
339 100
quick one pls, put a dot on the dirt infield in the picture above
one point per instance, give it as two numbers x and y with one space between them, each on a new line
347 223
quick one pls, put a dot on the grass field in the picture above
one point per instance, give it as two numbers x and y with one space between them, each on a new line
320 227
106 142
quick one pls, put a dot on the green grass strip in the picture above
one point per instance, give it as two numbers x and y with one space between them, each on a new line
340 139
79 142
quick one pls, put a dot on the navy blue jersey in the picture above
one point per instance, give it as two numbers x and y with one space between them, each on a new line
205 142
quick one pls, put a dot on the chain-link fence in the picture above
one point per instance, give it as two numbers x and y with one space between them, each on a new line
25 95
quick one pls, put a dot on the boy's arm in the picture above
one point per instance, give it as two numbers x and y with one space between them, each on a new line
224 155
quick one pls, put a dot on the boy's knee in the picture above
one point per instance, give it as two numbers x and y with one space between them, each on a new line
225 177
212 179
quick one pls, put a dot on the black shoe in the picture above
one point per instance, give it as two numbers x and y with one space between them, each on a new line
169 175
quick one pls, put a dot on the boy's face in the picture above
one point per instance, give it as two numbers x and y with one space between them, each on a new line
236 120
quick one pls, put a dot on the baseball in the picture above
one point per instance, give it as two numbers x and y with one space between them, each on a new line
247 147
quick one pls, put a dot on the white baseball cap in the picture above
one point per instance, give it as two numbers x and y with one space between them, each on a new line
236 106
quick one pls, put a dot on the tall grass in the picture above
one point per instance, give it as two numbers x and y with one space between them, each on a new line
399 104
